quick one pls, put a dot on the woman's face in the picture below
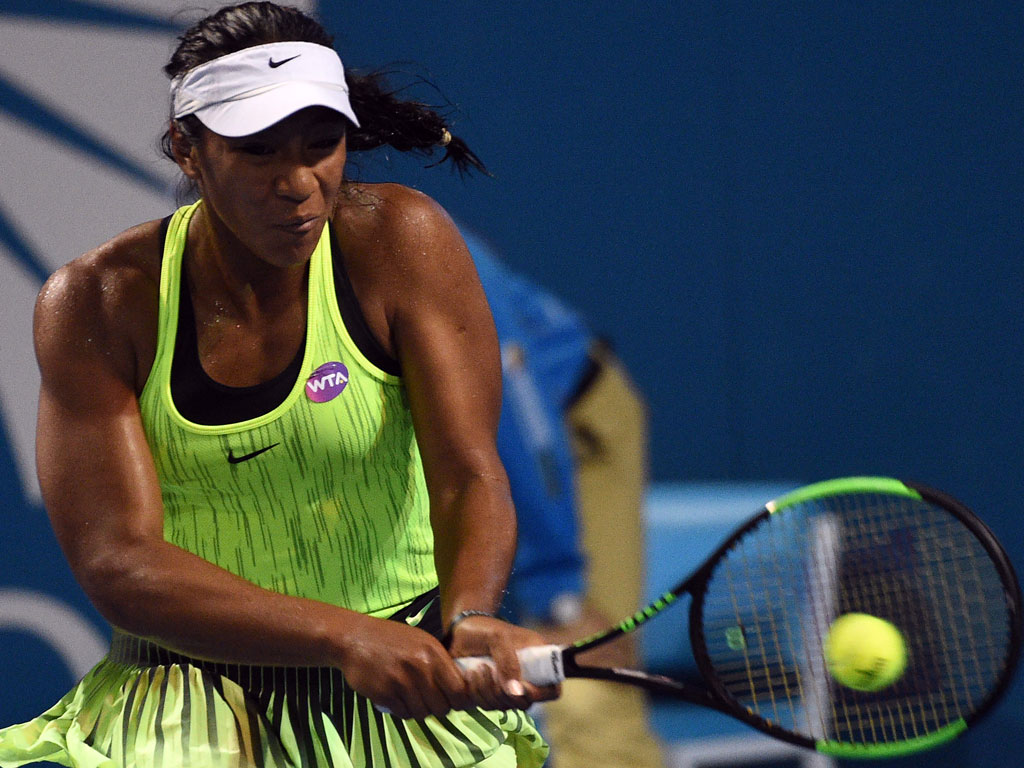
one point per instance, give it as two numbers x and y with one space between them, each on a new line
273 191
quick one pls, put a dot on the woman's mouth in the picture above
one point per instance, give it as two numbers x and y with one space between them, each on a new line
300 225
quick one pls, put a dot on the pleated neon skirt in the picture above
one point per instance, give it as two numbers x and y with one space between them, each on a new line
145 707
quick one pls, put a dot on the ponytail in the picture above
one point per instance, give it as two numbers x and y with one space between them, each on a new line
408 126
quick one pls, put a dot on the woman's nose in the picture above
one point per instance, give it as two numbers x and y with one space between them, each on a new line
295 182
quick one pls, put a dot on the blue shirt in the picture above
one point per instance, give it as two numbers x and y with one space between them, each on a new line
544 355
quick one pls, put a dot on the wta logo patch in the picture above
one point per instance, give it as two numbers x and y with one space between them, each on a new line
326 382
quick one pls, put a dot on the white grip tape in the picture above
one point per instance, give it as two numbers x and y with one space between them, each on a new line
540 664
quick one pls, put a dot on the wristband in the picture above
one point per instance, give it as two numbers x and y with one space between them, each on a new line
461 615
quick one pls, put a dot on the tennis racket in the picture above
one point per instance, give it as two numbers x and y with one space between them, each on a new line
763 603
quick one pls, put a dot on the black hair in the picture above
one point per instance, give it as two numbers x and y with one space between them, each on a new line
385 118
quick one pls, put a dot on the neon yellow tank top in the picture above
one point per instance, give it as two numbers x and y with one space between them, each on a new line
324 496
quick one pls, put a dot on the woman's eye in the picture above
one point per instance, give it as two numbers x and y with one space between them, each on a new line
327 143
259 150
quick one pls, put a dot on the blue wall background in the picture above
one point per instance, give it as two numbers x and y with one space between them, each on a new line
800 223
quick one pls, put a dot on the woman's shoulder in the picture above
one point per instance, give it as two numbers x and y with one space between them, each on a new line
129 261
388 213
108 293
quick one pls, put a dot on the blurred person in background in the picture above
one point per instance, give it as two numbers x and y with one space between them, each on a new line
573 439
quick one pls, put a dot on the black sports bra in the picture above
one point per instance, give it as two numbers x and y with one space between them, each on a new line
202 400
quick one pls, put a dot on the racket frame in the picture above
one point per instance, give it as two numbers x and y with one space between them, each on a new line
715 695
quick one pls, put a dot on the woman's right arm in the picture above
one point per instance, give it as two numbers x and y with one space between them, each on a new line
103 496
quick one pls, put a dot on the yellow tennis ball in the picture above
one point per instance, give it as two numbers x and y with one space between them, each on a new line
864 652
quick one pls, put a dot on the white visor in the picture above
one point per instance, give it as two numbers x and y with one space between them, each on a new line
249 90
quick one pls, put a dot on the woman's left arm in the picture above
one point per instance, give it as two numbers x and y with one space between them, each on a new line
444 337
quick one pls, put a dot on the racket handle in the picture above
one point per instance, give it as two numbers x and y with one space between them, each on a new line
541 664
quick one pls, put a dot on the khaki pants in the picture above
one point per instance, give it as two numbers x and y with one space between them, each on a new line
597 724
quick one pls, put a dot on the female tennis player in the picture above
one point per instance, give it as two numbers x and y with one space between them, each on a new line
267 442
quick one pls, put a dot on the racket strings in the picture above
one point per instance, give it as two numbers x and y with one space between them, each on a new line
927 581
886 586
877 583
774 596
764 672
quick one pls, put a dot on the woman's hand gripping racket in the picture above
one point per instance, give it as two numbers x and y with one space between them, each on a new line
861 617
